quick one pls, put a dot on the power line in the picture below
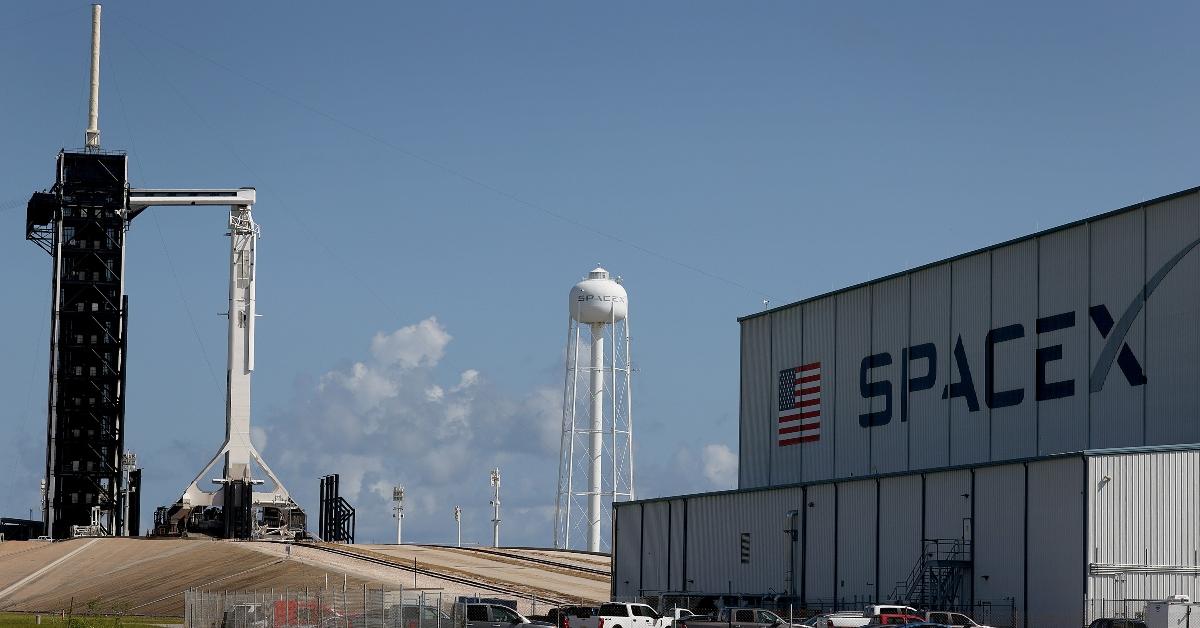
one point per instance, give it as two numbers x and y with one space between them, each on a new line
20 26
464 176
282 202
212 372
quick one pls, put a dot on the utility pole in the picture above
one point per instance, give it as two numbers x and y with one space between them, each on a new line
458 523
496 507
398 510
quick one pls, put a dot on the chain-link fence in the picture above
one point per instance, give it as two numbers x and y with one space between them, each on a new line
1094 609
351 607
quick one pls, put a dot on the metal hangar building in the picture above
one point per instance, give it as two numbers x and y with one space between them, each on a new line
1014 427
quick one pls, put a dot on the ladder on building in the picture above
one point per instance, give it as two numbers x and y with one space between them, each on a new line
936 581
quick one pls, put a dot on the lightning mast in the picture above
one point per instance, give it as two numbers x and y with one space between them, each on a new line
458 523
398 511
496 507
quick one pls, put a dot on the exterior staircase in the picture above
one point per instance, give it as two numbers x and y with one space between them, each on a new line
936 581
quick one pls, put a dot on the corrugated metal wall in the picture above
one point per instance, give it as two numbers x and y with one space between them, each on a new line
820 557
1144 512
1054 559
1052 307
655 546
678 515
1120 531
999 534
717 557
970 320
852 445
1045 533
1014 306
857 523
929 415
627 555
889 329
1172 346
756 442
947 504
820 329
787 352
1063 287
899 531
1118 273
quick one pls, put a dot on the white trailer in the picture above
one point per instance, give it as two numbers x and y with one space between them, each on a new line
1177 611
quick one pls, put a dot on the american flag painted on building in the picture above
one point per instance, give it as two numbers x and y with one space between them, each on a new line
800 404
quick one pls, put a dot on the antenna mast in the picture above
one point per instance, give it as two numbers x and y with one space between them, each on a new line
91 137
398 511
496 507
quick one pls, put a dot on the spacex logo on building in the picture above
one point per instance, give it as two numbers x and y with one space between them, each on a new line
975 384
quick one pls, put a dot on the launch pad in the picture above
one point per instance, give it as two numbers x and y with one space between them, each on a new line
90 487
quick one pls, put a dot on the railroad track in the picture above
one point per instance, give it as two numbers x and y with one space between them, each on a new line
476 584
539 561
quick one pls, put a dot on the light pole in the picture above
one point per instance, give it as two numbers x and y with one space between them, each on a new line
458 523
398 510
496 507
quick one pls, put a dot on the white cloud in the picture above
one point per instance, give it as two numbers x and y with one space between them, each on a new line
720 466
422 344
258 438
392 419
467 379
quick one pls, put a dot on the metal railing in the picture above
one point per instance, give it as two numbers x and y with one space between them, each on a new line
936 577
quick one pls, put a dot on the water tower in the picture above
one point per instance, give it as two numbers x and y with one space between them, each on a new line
596 456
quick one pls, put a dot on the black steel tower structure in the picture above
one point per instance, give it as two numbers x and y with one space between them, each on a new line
336 515
81 222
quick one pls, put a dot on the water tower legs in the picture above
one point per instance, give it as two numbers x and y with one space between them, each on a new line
597 434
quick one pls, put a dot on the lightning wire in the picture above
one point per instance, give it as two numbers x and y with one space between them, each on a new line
463 176
212 372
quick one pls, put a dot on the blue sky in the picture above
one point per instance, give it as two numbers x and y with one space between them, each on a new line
434 177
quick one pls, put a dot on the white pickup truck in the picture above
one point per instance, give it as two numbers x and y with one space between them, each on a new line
621 615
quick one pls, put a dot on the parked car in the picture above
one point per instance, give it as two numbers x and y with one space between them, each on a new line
738 618
570 616
496 616
950 618
680 614
906 624
844 619
1116 622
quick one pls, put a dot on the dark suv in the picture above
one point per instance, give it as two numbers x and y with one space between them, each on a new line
1117 622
